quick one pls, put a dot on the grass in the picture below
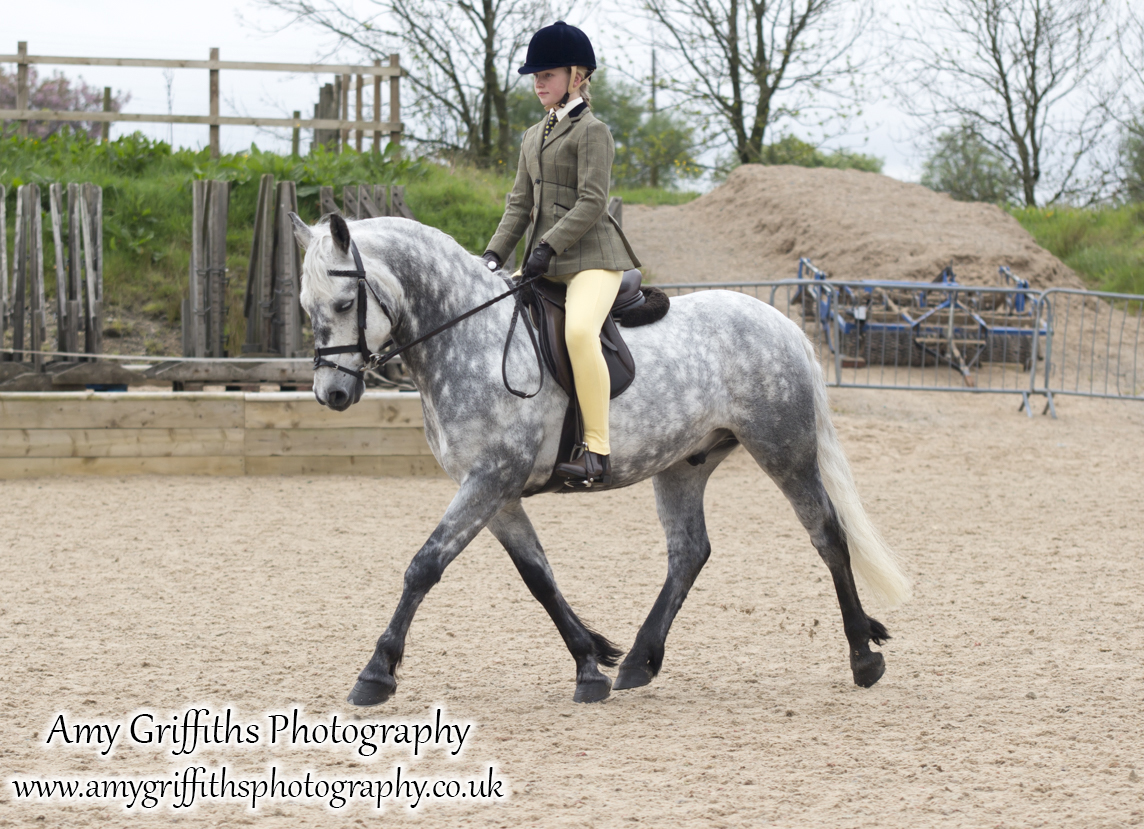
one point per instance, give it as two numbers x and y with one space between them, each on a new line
654 195
1105 245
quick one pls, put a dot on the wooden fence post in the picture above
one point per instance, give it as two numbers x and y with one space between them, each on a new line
326 201
345 108
397 205
19 274
36 249
327 107
395 101
350 207
296 135
216 267
367 206
258 274
381 199
3 267
55 206
360 133
377 107
89 203
198 302
105 127
288 270
214 106
22 88
75 314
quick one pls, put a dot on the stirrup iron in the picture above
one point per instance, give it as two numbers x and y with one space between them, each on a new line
585 469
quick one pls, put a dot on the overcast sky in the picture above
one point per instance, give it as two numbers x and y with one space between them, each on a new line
150 29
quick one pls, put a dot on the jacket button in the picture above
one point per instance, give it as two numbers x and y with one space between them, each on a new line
538 181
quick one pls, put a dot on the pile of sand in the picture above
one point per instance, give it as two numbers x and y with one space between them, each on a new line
853 225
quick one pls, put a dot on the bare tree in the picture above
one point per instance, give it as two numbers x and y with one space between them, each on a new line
462 59
1128 111
1025 75
747 64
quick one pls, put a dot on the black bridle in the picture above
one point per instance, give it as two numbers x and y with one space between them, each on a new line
373 360
376 359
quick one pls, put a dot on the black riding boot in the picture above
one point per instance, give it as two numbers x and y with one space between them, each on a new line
586 470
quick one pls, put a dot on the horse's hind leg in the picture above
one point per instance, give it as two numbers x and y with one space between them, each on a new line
798 478
590 650
679 502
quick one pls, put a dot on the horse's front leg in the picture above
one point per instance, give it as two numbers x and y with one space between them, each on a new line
478 500
590 650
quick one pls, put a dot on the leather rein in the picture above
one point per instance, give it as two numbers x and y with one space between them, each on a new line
376 359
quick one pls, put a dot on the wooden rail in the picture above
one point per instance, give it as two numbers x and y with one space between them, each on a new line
22 114
164 433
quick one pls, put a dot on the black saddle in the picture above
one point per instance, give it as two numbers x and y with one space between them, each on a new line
634 306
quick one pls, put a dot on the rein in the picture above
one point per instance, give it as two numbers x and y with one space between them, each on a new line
376 359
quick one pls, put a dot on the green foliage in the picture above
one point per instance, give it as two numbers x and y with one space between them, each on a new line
464 202
1105 246
792 150
653 195
1132 162
796 152
651 150
967 168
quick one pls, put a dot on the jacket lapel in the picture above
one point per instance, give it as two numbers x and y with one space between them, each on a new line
562 126
531 150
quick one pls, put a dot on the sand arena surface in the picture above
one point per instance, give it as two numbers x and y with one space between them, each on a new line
1013 693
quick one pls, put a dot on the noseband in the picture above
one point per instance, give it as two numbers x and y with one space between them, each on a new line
376 359
373 360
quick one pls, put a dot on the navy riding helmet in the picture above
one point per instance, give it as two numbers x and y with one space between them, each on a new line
556 46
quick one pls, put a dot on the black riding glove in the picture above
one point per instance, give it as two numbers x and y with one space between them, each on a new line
492 261
538 262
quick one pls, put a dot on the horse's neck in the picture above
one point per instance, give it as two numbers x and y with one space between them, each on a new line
438 286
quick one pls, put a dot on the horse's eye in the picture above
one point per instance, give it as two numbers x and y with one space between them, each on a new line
342 307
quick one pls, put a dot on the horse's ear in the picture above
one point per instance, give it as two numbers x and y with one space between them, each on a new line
340 231
302 231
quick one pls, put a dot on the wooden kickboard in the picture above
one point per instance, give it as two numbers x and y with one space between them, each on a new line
411 466
11 468
120 443
289 410
232 433
335 442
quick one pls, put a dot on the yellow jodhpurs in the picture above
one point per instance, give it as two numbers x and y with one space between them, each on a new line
590 297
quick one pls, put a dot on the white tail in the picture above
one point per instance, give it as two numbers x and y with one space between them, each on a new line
873 562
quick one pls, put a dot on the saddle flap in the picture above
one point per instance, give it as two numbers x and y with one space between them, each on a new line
548 315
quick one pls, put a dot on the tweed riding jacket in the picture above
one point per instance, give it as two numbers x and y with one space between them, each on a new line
561 197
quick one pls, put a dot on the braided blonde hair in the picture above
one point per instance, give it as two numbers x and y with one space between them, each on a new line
585 90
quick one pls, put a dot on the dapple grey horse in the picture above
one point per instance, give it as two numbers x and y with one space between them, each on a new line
720 370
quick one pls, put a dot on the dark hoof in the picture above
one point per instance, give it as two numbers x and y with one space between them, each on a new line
593 690
367 692
867 668
632 676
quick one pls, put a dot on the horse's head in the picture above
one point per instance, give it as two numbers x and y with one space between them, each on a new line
351 298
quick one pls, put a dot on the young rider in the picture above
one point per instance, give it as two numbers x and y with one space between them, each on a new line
561 198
